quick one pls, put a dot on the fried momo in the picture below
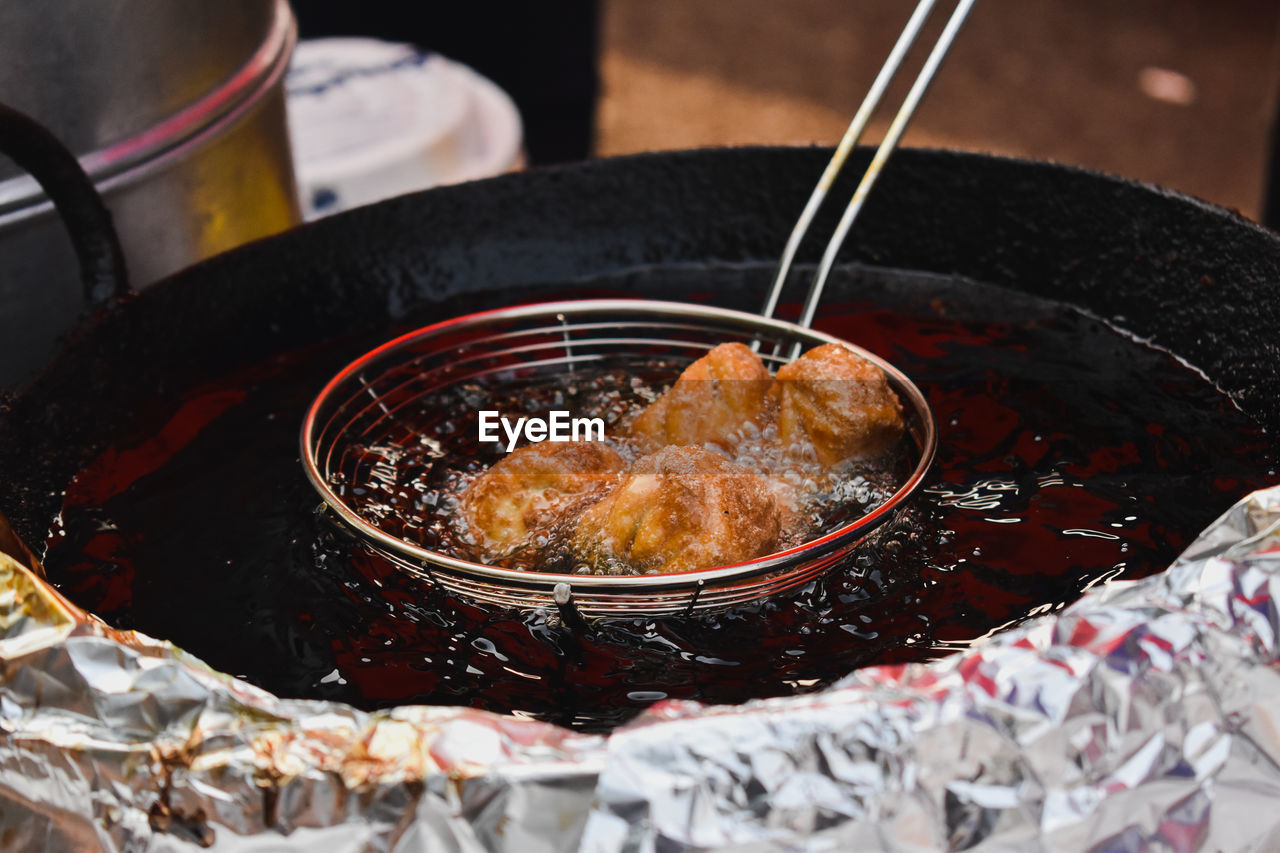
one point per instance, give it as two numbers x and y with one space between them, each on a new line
680 509
839 403
710 402
530 490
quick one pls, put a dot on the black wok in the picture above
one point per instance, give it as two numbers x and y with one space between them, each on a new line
1195 279
235 565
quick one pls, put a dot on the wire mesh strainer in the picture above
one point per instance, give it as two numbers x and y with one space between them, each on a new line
359 407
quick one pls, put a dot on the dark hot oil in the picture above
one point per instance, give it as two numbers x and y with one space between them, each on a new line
1069 454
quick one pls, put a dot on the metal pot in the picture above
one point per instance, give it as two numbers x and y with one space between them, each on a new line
175 110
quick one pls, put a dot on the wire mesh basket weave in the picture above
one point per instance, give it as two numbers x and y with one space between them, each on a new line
359 406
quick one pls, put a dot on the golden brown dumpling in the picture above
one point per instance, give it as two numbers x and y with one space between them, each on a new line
838 402
531 489
680 509
710 402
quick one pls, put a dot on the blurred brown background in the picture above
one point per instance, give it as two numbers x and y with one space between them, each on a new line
1176 92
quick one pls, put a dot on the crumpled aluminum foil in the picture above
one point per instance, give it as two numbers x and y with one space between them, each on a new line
1144 717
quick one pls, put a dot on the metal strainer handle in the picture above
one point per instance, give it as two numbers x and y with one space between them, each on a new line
851 136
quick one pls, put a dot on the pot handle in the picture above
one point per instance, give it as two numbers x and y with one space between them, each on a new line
87 220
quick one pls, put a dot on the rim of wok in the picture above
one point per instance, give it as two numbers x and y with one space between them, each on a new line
793 559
